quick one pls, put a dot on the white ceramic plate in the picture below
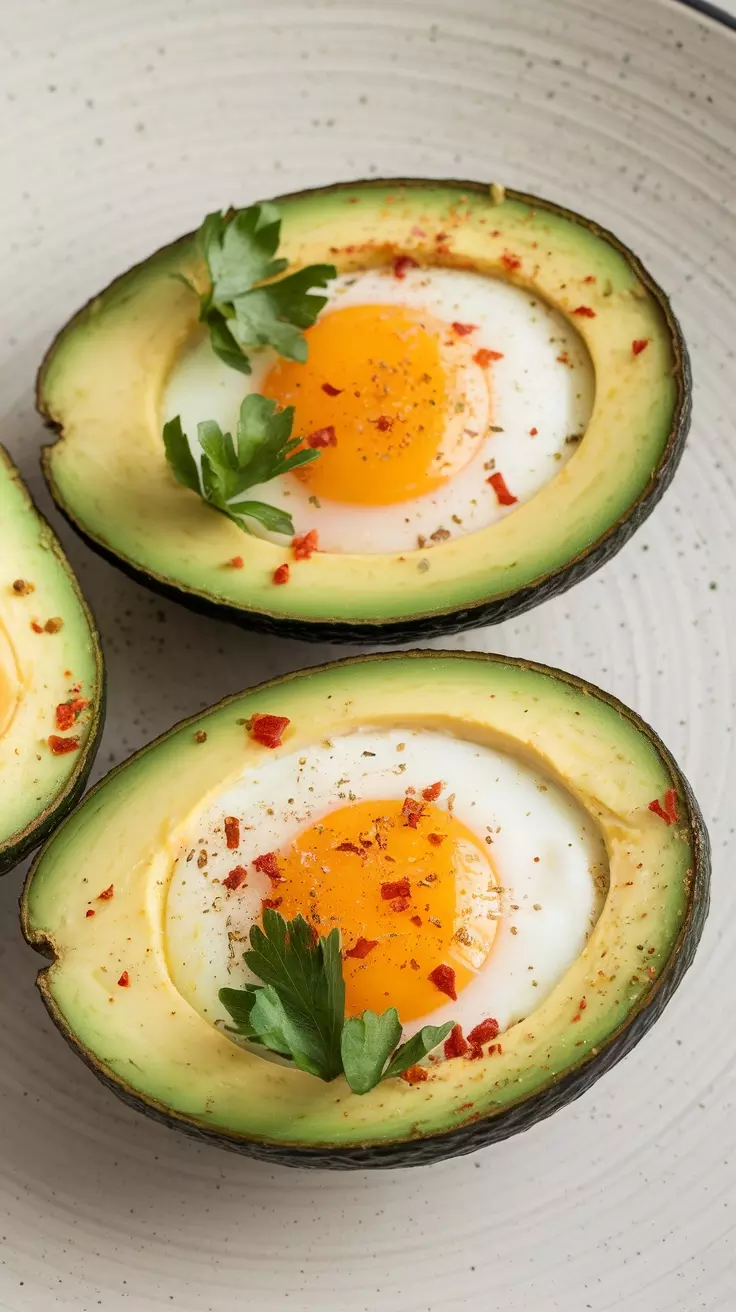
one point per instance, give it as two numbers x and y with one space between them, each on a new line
123 124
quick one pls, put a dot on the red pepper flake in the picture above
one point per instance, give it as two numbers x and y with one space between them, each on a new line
402 264
232 832
124 980
267 729
60 746
271 903
510 262
54 624
414 1075
303 547
455 1043
332 391
322 437
443 978
383 423
398 888
436 839
584 312
483 356
400 904
504 497
37 628
236 877
639 344
89 912
533 432
432 793
68 712
361 948
106 894
463 329
267 864
484 1032
563 358
667 808
582 1004
442 237
412 812
236 562
416 920
590 278
281 575
350 847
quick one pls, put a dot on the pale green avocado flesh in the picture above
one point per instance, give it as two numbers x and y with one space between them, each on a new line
154 1047
105 378
49 655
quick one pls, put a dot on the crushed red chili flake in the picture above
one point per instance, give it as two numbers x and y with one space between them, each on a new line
436 839
60 746
281 574
504 497
236 562
322 437
414 1075
590 278
443 978
455 1044
383 423
667 808
639 344
200 736
484 1032
89 912
22 588
416 920
332 391
510 262
533 432
463 329
400 904
124 980
54 624
402 264
232 832
361 948
397 888
431 793
350 847
483 356
267 729
303 547
37 628
271 903
106 893
68 712
235 878
584 312
267 864
582 1004
412 812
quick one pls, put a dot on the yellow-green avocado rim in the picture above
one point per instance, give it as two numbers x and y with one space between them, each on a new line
478 1131
439 620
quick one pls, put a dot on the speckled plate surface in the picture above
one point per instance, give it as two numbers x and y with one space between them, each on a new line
122 125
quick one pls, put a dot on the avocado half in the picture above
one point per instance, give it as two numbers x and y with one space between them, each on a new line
102 381
49 655
154 1050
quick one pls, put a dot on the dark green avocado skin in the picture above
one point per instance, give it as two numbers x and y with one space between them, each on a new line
484 1131
421 628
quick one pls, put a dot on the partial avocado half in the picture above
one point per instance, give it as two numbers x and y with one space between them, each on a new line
102 384
51 676
152 1048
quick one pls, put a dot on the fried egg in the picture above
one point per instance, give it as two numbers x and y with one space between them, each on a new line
423 849
440 401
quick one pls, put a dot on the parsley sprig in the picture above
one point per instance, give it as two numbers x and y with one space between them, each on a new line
264 448
298 1011
247 305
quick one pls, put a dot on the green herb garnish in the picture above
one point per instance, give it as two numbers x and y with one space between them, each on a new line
244 307
264 449
298 1011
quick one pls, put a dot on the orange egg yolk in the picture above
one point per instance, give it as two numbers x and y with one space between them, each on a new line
340 872
386 379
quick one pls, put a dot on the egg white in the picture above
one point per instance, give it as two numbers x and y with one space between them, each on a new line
530 389
546 908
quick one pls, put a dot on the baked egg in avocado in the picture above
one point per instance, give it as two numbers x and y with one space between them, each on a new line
492 394
374 914
51 676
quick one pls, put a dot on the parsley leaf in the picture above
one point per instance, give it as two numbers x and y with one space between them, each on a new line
299 1009
244 307
265 449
